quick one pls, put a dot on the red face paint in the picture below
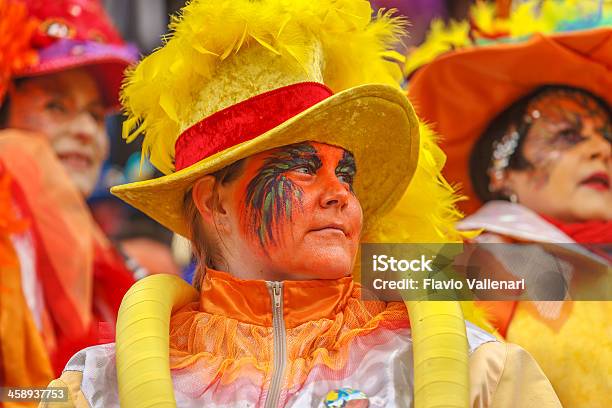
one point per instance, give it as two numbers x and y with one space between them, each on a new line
298 214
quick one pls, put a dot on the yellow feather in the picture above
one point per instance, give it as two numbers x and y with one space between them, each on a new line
242 38
165 101
526 18
200 48
408 222
441 38
159 93
265 44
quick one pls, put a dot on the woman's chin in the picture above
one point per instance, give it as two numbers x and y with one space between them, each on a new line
325 265
596 214
316 259
84 182
593 210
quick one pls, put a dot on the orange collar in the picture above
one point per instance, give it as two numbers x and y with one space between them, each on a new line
250 301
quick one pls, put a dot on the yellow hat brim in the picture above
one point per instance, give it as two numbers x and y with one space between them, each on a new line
374 122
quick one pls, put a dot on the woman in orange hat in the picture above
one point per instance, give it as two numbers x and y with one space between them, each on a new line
526 120
286 141
62 65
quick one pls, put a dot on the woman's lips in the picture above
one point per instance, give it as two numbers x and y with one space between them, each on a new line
75 160
331 228
599 181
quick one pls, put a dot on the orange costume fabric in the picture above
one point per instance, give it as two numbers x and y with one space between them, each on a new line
325 323
252 343
59 276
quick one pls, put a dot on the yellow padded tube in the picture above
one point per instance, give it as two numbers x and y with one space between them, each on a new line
440 353
142 344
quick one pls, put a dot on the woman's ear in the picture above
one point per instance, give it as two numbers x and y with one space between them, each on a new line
509 183
203 195
206 198
498 181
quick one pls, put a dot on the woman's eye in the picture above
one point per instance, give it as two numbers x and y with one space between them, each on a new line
570 136
56 106
99 117
303 170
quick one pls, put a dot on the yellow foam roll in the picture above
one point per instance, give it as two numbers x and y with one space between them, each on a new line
142 345
440 353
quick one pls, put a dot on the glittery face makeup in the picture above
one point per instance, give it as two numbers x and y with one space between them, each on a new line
568 149
296 211
558 125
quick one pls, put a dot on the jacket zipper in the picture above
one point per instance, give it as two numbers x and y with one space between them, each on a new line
280 345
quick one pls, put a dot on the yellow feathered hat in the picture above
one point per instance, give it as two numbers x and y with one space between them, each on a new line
239 77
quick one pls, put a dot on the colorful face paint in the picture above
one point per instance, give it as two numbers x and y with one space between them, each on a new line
558 119
272 195
346 169
297 212
568 148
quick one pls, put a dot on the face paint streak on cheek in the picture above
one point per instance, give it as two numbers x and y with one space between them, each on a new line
539 178
541 174
270 210
270 193
279 213
290 209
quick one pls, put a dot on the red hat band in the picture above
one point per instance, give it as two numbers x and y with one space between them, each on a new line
245 121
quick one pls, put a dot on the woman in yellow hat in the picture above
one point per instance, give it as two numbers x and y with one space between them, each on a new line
525 113
286 142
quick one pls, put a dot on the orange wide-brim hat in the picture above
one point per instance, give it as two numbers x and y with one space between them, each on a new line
459 93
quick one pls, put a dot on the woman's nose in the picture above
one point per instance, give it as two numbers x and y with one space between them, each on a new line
84 137
600 148
335 194
85 128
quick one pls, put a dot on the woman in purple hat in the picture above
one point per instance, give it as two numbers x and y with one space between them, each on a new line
60 275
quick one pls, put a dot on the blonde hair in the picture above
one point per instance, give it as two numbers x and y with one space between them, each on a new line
204 246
